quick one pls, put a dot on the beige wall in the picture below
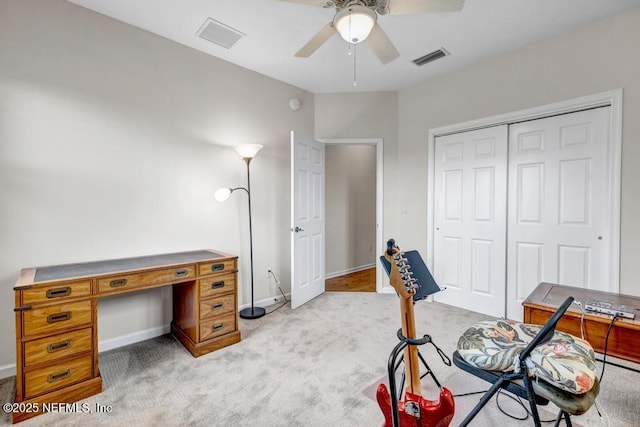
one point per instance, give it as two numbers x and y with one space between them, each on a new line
595 58
350 207
112 143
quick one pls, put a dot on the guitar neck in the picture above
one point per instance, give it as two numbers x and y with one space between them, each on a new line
411 366
411 362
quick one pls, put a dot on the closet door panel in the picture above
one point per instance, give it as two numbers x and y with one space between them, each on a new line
558 176
470 219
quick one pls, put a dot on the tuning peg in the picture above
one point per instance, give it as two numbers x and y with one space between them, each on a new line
400 260
411 288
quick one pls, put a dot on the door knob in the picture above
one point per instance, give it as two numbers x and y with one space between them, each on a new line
297 229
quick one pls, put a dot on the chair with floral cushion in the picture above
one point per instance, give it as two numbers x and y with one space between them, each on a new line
534 362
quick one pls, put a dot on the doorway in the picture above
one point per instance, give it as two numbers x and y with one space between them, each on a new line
353 214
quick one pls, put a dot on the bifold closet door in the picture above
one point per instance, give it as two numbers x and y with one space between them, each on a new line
559 218
470 219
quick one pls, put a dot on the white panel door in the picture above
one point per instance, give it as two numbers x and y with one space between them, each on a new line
307 219
470 219
559 220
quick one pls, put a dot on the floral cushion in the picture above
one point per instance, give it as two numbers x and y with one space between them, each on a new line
564 361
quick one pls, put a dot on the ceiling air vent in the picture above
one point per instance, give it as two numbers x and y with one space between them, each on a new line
430 57
218 33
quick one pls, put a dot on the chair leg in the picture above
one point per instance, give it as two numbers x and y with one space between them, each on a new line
559 418
567 418
532 401
483 401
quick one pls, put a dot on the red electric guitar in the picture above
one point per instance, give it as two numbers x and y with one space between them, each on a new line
413 410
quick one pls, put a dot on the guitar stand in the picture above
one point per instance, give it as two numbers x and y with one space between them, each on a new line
392 367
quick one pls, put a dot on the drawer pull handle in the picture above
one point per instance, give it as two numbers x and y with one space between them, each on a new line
117 283
217 267
60 375
217 285
52 348
217 306
60 292
217 327
59 317
180 273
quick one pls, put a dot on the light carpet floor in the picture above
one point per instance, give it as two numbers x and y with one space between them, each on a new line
314 366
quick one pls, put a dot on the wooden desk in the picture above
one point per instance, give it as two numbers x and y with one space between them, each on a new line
624 339
57 319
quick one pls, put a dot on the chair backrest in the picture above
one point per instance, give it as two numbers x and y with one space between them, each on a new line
547 331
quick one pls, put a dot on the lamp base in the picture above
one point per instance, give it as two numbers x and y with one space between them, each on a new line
252 312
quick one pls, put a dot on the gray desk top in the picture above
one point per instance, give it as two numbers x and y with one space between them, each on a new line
56 272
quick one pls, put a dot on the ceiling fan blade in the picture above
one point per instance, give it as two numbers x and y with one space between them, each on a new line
309 2
316 41
381 45
398 7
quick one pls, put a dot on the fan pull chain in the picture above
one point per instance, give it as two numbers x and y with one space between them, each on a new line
355 83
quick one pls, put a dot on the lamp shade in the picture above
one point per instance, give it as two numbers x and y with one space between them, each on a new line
222 194
354 23
247 151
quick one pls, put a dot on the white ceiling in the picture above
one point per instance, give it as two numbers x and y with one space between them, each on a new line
275 30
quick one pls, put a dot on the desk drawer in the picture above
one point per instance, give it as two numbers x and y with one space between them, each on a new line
125 282
50 293
56 317
217 326
57 346
58 375
213 286
217 306
216 267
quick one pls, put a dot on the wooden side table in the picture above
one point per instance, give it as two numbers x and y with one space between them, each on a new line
624 338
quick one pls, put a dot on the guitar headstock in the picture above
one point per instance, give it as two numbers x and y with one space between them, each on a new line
400 276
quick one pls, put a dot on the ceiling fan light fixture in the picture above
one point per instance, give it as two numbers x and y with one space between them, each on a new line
354 23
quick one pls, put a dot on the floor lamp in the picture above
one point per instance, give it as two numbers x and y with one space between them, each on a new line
247 152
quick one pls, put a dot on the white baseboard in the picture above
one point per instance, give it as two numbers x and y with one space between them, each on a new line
132 338
348 270
7 371
266 302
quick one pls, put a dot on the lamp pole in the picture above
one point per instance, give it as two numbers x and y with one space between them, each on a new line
247 152
250 312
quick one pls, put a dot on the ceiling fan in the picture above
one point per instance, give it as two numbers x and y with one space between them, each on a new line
355 21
